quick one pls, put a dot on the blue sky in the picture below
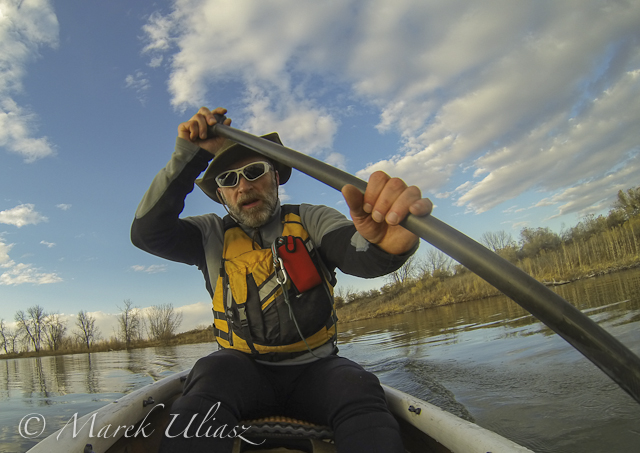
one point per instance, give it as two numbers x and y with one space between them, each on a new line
507 114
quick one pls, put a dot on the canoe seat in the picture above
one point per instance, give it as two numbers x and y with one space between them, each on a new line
285 434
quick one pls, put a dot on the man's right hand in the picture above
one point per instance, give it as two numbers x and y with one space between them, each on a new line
195 130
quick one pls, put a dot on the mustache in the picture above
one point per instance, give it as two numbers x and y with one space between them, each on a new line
249 198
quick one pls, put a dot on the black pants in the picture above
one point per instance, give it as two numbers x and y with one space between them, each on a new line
228 386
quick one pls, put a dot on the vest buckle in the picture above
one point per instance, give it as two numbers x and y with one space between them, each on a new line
278 265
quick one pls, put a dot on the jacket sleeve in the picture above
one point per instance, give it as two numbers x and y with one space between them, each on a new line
157 228
341 246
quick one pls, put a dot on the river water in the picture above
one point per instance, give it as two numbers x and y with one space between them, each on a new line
488 361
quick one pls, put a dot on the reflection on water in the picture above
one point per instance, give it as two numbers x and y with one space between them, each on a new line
488 361
511 372
58 387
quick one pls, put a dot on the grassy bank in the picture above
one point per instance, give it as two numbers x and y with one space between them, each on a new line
595 246
419 294
428 292
191 337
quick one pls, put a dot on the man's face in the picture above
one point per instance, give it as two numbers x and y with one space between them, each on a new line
252 203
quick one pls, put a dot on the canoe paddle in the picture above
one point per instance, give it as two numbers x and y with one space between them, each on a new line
595 343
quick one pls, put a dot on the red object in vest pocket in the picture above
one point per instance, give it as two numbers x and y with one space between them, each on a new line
297 262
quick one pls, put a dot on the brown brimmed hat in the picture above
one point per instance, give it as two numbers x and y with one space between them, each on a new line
231 152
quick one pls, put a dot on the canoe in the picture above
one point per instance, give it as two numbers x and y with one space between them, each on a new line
136 423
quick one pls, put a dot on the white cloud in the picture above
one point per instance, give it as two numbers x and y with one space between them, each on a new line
25 273
598 194
590 148
301 124
19 273
217 46
519 225
155 61
63 206
139 83
152 269
22 215
48 244
283 195
516 92
16 124
195 315
25 27
337 160
158 33
5 248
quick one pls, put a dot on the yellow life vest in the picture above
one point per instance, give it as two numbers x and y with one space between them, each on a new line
251 312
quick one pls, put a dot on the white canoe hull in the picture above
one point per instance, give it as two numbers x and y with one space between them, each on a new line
104 427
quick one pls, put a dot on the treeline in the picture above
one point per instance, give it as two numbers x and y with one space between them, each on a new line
38 332
596 245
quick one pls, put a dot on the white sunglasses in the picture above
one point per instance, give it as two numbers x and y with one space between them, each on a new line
251 172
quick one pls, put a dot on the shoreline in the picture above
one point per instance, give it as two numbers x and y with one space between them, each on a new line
365 308
369 308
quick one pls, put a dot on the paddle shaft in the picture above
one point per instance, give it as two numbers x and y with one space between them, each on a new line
596 344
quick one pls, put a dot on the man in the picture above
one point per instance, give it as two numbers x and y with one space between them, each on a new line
269 270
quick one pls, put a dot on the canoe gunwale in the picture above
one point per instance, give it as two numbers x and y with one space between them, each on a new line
127 411
446 431
450 431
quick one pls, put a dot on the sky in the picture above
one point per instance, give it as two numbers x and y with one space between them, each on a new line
506 114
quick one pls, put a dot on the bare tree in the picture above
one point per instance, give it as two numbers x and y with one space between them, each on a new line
129 323
54 330
3 339
498 240
339 297
9 338
4 333
406 272
87 332
163 321
340 292
435 262
31 324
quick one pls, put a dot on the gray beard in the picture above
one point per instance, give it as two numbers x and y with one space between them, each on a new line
259 215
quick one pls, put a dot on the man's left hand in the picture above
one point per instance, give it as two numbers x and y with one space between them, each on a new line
385 203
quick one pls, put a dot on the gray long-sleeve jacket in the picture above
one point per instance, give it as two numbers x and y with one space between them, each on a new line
198 240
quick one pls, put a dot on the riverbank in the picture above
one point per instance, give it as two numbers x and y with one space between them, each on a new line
429 292
194 336
596 246
486 357
415 295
